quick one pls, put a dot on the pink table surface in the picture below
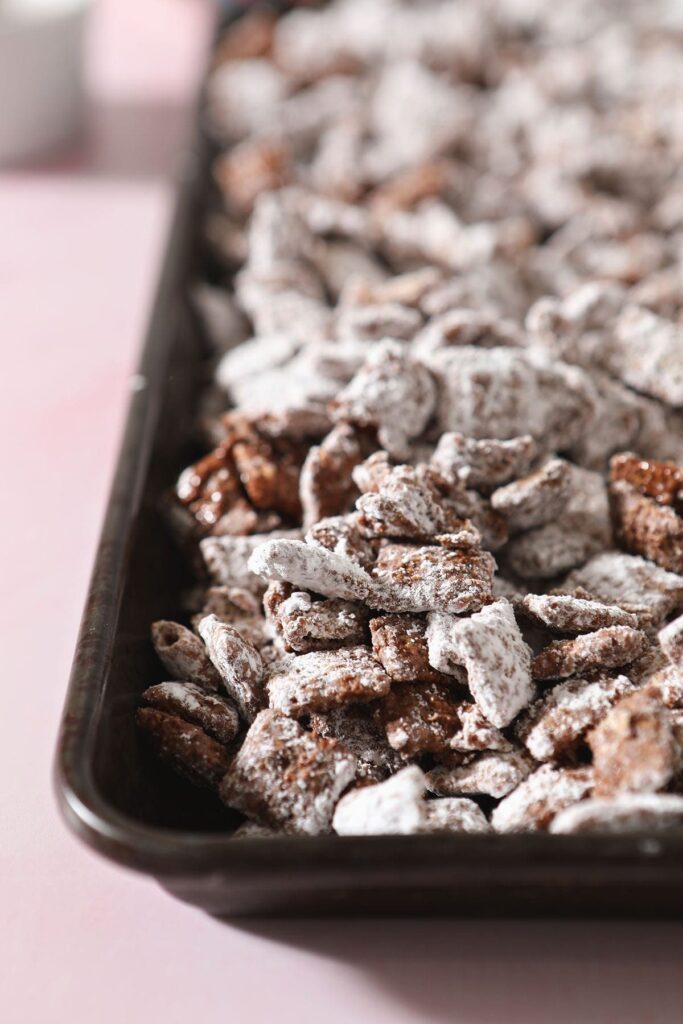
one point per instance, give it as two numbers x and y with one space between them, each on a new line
82 940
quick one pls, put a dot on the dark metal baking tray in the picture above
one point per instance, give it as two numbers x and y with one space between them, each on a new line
122 803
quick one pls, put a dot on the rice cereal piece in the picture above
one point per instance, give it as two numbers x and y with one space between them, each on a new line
467 327
306 625
490 646
617 424
399 642
671 641
476 732
370 474
666 686
455 814
540 797
605 648
215 715
239 608
313 568
502 393
184 747
210 489
286 779
535 499
408 504
634 747
420 717
420 579
627 812
486 463
227 558
342 535
394 807
581 530
407 289
644 527
373 322
470 505
238 663
488 774
250 168
654 478
325 679
566 613
648 354
356 727
183 654
326 484
555 725
631 582
392 392
269 472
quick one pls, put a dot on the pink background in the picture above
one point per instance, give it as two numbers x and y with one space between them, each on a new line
82 940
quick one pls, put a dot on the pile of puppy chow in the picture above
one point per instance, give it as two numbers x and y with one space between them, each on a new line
440 523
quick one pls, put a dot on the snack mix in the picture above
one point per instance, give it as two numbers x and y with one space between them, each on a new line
440 521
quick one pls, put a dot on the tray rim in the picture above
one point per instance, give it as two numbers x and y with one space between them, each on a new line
167 853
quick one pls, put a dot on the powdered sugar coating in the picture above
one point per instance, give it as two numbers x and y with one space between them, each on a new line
399 642
392 392
285 778
238 608
325 679
671 641
540 797
408 504
455 814
536 499
581 530
394 807
363 736
648 354
227 559
555 725
490 646
312 568
631 582
483 463
634 747
628 812
476 732
420 579
375 321
326 487
500 392
238 663
342 535
467 327
183 655
420 717
214 714
306 625
491 774
568 614
184 747
605 648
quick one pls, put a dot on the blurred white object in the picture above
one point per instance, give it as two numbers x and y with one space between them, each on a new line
41 75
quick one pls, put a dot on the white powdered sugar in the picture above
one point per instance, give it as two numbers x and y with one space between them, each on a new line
632 812
394 807
490 646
